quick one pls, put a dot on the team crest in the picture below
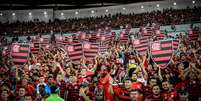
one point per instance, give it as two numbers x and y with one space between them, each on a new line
161 52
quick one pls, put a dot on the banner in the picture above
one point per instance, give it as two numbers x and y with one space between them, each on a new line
35 46
75 52
147 31
124 36
20 53
44 42
161 52
90 50
141 45
193 35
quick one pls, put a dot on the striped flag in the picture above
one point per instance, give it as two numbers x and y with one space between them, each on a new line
44 42
103 49
20 53
35 46
70 40
193 35
93 37
105 38
75 52
141 45
161 52
148 31
123 36
90 50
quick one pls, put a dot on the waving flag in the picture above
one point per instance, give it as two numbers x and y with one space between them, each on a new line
103 49
161 52
105 38
35 46
147 31
90 50
20 53
124 36
93 37
75 52
193 35
141 45
44 42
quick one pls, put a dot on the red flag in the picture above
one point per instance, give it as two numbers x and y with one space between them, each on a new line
161 52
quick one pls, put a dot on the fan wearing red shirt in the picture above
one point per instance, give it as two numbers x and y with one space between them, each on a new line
105 81
168 93
156 96
25 84
73 89
125 93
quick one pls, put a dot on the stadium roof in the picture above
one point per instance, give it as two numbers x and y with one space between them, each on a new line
61 4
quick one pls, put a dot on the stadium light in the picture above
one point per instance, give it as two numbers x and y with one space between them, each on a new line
92 11
1 14
45 13
13 14
76 12
193 2
157 5
142 7
106 10
124 8
62 14
174 3
30 13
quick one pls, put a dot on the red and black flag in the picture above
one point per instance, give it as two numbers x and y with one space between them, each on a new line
124 36
147 31
141 45
193 35
90 50
161 52
105 38
20 53
94 37
35 46
103 49
44 42
75 52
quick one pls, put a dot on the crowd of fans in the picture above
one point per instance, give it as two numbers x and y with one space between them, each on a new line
120 74
165 17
